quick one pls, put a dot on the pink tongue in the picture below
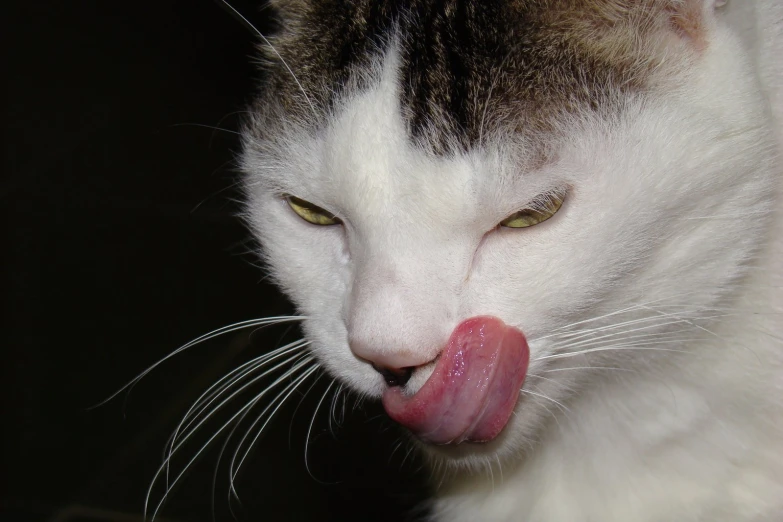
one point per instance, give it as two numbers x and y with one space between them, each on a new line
473 390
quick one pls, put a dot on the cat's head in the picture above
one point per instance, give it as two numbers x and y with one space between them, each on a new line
592 173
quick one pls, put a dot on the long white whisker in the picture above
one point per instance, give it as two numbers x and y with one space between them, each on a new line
204 446
558 403
656 320
552 414
706 330
743 215
299 405
652 323
275 403
332 410
204 125
394 450
237 374
186 422
571 326
622 334
626 336
291 388
310 429
206 337
407 454
250 405
629 347
187 433
588 368
267 42
686 320
536 376
235 377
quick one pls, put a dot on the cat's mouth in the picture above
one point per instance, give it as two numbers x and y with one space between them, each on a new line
473 389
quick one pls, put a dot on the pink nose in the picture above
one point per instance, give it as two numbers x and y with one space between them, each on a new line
396 367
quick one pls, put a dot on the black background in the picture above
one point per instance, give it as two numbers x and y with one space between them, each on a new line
120 244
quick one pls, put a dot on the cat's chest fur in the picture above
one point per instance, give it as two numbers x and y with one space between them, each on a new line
595 186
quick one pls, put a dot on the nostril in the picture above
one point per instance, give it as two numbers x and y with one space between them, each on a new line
395 376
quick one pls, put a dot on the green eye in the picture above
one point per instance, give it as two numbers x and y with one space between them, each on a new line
543 208
311 213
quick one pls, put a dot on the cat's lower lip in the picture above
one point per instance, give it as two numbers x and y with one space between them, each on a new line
473 389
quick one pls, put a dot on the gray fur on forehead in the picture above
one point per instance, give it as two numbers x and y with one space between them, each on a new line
466 65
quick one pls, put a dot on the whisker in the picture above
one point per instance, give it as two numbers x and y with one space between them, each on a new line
229 187
704 329
299 405
237 374
249 25
332 408
488 465
625 335
630 347
198 340
536 376
552 414
291 388
188 431
182 427
558 403
627 341
205 445
206 127
688 321
571 326
656 320
589 368
632 308
396 447
310 430
407 454
342 408
733 216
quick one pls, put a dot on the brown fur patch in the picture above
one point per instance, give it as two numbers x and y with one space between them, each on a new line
470 67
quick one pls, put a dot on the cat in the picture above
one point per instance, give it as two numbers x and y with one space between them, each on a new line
547 235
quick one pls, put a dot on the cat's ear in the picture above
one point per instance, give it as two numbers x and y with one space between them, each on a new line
691 19
644 33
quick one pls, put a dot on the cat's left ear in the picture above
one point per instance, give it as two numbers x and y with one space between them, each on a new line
691 19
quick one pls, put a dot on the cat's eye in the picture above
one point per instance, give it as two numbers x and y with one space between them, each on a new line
312 213
542 208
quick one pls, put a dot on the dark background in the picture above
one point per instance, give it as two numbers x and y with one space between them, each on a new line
120 244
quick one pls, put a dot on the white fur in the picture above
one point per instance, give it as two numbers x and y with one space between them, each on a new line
672 220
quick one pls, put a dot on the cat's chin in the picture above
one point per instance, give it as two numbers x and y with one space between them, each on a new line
469 457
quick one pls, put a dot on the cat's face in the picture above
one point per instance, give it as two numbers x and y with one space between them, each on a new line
663 184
